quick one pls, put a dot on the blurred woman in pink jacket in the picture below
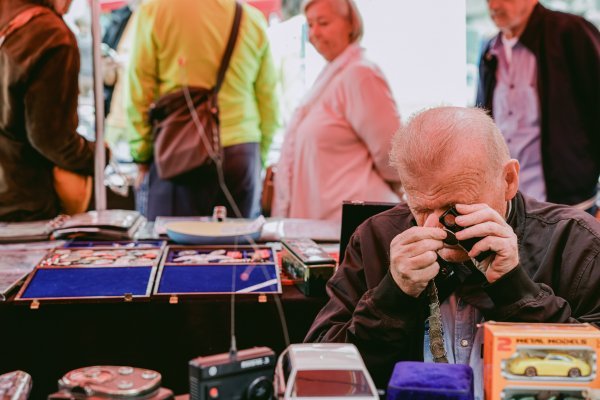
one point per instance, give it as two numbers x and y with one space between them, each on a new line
337 144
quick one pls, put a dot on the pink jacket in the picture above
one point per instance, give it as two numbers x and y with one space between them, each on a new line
337 144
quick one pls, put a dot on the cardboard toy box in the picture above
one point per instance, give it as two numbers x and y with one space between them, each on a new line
527 360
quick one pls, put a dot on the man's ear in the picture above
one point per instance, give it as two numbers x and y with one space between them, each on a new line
511 179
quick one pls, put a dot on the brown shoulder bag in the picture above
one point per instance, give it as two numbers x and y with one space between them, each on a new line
184 139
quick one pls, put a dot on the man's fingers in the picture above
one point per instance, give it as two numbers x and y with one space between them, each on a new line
485 229
415 280
470 208
422 246
424 260
416 234
478 215
503 247
431 221
421 276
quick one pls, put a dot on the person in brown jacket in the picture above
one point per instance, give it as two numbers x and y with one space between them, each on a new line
39 66
545 265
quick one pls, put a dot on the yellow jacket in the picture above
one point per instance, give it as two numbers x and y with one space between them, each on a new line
183 41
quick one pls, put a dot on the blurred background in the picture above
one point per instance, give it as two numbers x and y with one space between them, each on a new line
429 50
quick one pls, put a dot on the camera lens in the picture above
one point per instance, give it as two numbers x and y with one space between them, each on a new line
450 238
449 220
260 389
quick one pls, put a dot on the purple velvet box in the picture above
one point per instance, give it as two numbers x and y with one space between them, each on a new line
430 381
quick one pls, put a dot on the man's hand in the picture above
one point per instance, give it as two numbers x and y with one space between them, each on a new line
143 170
413 256
498 236
110 70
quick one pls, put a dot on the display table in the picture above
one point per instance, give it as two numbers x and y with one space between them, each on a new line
149 332
56 338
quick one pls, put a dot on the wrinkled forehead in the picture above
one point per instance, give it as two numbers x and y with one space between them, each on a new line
431 156
449 184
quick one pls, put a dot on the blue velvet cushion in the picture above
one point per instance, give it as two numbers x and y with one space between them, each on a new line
261 278
430 381
88 282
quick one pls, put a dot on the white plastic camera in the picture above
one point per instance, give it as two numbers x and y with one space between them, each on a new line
323 371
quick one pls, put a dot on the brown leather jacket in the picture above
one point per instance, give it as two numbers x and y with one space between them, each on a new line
558 280
39 66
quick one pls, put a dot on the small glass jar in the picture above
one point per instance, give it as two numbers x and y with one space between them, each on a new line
219 213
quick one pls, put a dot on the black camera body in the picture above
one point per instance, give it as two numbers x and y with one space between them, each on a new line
447 219
247 375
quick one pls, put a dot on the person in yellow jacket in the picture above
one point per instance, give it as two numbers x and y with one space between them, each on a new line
181 42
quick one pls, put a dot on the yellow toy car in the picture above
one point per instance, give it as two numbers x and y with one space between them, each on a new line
551 364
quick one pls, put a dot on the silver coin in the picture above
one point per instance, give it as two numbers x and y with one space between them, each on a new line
124 385
125 371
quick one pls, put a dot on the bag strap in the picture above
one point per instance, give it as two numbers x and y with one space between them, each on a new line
21 19
230 46
170 102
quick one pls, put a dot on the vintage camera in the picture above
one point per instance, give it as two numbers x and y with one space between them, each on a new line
308 263
245 375
448 220
111 382
15 385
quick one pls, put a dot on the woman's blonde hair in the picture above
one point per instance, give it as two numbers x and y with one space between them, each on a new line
347 9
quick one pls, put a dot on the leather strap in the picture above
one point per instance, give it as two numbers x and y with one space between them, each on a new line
21 19
436 333
230 46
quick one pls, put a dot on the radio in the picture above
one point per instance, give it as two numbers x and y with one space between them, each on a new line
308 263
243 375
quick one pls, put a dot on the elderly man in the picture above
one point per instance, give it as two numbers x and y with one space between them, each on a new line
545 266
540 78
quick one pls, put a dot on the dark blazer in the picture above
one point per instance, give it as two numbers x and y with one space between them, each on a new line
567 51
557 280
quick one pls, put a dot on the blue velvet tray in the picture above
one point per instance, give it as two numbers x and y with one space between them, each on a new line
94 271
205 279
126 244
245 253
73 283
200 270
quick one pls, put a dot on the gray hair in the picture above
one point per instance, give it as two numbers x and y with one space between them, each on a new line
347 9
435 136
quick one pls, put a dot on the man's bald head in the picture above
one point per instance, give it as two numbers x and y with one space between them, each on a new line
438 136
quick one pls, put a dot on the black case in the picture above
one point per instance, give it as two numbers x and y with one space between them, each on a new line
308 264
247 376
355 213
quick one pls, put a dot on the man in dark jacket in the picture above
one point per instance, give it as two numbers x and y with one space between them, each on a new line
545 265
540 78
39 65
